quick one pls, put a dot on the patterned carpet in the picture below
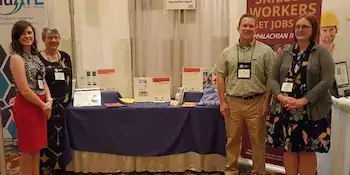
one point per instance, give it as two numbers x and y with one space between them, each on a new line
184 173
11 156
243 169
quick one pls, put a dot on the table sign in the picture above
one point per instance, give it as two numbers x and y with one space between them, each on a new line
87 97
192 79
160 88
141 89
341 73
107 79
149 89
207 77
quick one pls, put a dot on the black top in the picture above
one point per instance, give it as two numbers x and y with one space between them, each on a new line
61 90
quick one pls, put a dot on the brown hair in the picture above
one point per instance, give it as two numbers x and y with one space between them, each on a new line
314 25
17 30
246 15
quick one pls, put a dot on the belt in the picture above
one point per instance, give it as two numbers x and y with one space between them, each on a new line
248 97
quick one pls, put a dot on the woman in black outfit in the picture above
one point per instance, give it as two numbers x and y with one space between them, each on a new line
59 79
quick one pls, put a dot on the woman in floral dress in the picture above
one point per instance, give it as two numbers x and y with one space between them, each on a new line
299 119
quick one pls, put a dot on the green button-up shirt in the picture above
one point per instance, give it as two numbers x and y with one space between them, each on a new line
261 57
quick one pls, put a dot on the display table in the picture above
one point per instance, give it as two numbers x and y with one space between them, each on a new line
145 137
159 138
337 160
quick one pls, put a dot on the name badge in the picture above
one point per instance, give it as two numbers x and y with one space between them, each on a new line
244 70
287 87
59 76
41 84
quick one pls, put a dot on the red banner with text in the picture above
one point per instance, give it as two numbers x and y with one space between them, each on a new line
277 17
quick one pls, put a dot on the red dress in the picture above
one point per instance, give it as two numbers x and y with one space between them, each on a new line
31 120
30 123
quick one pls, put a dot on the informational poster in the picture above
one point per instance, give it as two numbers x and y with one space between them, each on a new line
89 80
207 77
104 79
160 88
275 27
107 80
141 89
341 74
196 79
180 4
192 79
150 89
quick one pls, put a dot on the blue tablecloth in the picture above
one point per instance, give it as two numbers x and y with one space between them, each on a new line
146 129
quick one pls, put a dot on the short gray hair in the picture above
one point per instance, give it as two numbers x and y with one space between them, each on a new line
47 31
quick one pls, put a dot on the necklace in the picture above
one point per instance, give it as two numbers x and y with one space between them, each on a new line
52 58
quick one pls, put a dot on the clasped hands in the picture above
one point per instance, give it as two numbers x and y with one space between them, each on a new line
291 103
47 108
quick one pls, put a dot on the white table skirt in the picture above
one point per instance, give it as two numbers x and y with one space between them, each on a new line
337 160
109 163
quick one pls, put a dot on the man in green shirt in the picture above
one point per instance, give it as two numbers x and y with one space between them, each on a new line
243 71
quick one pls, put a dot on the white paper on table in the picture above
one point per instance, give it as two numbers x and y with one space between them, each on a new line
207 77
89 80
107 79
160 88
87 98
341 73
141 89
192 79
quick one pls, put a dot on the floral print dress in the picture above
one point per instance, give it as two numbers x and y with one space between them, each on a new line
294 130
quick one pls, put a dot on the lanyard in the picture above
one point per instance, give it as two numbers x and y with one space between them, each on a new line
251 56
304 57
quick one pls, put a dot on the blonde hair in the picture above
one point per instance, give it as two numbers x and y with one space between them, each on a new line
48 31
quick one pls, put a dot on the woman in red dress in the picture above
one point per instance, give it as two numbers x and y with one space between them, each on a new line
33 99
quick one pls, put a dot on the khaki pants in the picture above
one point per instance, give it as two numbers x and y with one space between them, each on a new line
248 111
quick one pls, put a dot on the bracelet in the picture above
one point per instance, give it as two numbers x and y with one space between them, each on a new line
49 99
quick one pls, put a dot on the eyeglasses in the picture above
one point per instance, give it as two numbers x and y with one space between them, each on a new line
301 26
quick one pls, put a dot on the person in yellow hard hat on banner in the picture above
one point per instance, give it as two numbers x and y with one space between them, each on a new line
329 29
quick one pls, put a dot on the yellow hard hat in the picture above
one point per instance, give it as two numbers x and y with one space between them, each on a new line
329 19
